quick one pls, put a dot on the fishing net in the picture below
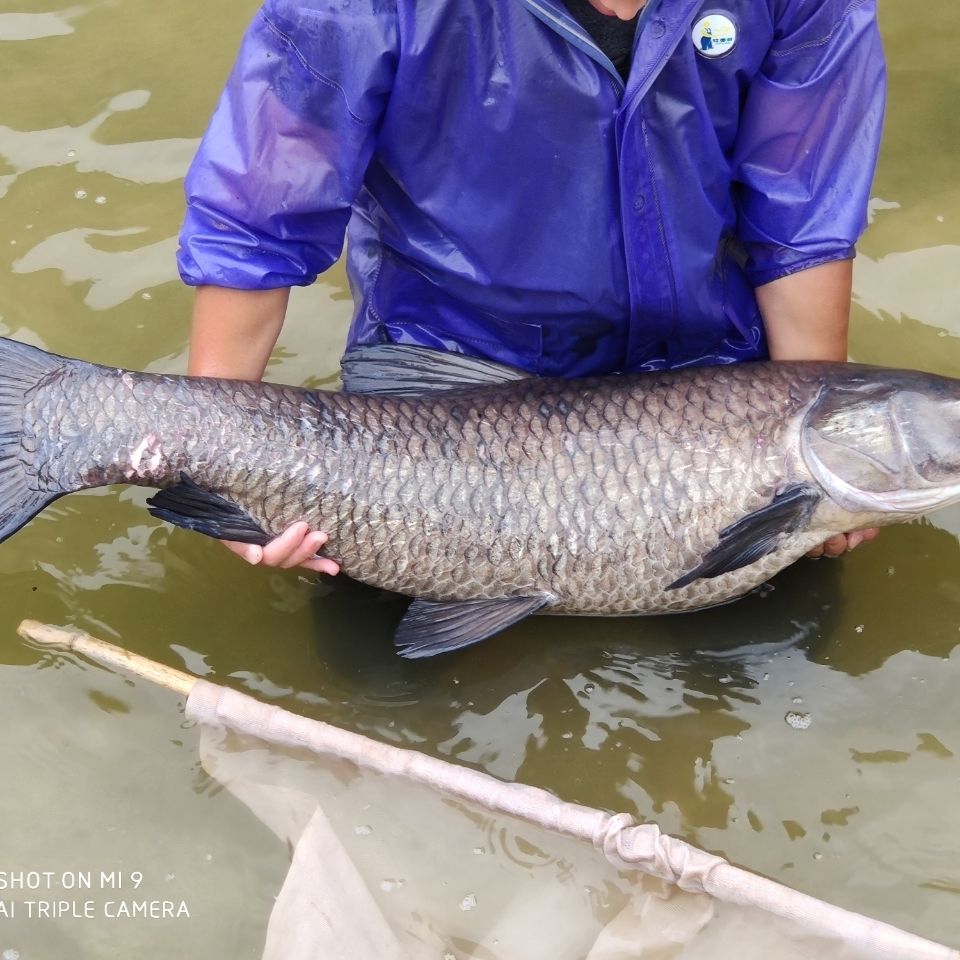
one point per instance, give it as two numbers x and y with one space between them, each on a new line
395 855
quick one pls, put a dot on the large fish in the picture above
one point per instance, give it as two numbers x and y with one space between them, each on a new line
487 495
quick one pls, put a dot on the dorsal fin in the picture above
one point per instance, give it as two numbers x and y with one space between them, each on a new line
402 369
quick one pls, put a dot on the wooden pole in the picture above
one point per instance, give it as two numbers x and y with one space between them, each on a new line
70 638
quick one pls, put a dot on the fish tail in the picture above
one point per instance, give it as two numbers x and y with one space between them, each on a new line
22 368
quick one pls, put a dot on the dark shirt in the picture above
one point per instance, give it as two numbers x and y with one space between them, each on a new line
611 34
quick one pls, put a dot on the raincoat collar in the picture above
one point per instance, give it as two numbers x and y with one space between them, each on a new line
651 49
556 16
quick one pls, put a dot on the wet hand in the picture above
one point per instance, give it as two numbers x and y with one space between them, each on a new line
295 547
843 542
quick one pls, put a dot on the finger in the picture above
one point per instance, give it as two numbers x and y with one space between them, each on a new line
322 565
816 553
854 539
835 546
857 537
287 551
319 564
248 551
305 550
278 550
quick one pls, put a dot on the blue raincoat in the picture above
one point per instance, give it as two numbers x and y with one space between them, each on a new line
505 194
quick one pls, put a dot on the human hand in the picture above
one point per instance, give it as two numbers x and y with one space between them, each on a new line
842 542
295 547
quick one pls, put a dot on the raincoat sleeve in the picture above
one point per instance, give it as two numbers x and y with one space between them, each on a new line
270 189
809 138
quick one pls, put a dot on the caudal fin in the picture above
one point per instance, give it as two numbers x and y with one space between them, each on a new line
22 367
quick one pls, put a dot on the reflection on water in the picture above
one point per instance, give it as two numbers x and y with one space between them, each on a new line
78 147
809 731
36 26
113 276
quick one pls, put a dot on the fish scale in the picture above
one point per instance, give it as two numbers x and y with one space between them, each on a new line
621 495
602 517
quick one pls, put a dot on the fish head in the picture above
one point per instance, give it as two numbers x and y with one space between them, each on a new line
886 442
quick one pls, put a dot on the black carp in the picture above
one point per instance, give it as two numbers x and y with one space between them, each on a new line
488 495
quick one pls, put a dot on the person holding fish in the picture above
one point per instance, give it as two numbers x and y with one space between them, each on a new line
571 187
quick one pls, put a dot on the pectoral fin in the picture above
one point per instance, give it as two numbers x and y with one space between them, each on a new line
756 535
430 627
193 508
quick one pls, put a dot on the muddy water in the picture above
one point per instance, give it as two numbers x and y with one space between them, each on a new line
683 720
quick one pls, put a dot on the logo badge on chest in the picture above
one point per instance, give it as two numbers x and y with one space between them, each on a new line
714 35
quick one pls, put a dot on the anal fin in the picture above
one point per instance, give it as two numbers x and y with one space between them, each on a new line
189 506
430 627
756 535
